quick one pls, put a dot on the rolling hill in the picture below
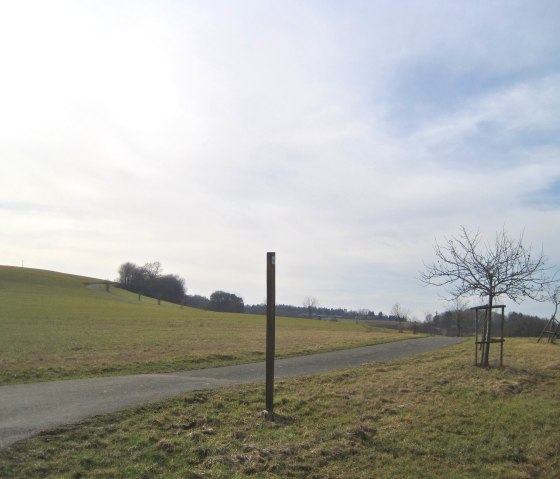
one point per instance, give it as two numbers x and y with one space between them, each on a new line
57 325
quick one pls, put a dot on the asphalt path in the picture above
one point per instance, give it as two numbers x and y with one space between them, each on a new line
27 409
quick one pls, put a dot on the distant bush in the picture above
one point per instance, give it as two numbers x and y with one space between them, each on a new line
226 302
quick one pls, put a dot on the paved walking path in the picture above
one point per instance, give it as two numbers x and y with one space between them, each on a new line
26 409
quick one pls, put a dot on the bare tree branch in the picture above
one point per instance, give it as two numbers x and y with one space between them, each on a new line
508 268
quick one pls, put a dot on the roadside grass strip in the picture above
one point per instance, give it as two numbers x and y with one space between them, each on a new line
428 416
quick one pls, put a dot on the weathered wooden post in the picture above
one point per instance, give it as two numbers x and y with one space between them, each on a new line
270 330
485 337
476 338
502 338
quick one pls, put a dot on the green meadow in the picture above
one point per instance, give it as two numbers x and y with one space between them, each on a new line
429 416
58 326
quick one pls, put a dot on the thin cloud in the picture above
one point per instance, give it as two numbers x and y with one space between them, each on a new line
346 137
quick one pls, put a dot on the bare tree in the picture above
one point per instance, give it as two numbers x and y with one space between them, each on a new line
467 266
363 313
126 273
459 306
429 321
152 270
552 328
310 302
553 296
402 314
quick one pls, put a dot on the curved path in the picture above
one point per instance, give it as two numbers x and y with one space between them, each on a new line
26 409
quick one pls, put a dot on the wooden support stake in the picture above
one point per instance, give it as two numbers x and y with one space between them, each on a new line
270 330
502 339
476 339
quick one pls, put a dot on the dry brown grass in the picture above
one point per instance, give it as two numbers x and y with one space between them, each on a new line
429 416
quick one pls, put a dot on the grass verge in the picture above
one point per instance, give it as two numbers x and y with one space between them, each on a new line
428 416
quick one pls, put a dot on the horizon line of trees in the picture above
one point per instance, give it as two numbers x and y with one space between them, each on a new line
320 312
462 323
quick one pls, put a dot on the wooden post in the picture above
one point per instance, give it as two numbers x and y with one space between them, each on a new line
476 338
270 330
545 330
486 334
502 339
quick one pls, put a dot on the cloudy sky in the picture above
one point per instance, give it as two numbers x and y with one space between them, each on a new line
344 135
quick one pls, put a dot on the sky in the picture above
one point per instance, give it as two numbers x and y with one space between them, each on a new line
346 136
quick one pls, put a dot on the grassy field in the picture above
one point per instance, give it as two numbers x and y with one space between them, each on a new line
430 416
55 326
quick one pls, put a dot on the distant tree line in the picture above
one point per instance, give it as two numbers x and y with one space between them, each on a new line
462 323
299 311
456 322
148 280
319 312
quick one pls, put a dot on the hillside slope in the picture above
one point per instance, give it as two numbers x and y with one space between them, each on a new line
57 325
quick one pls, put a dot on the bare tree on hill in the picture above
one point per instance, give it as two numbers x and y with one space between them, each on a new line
401 313
459 306
310 303
126 273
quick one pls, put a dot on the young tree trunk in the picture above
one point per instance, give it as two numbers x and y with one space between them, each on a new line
488 332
